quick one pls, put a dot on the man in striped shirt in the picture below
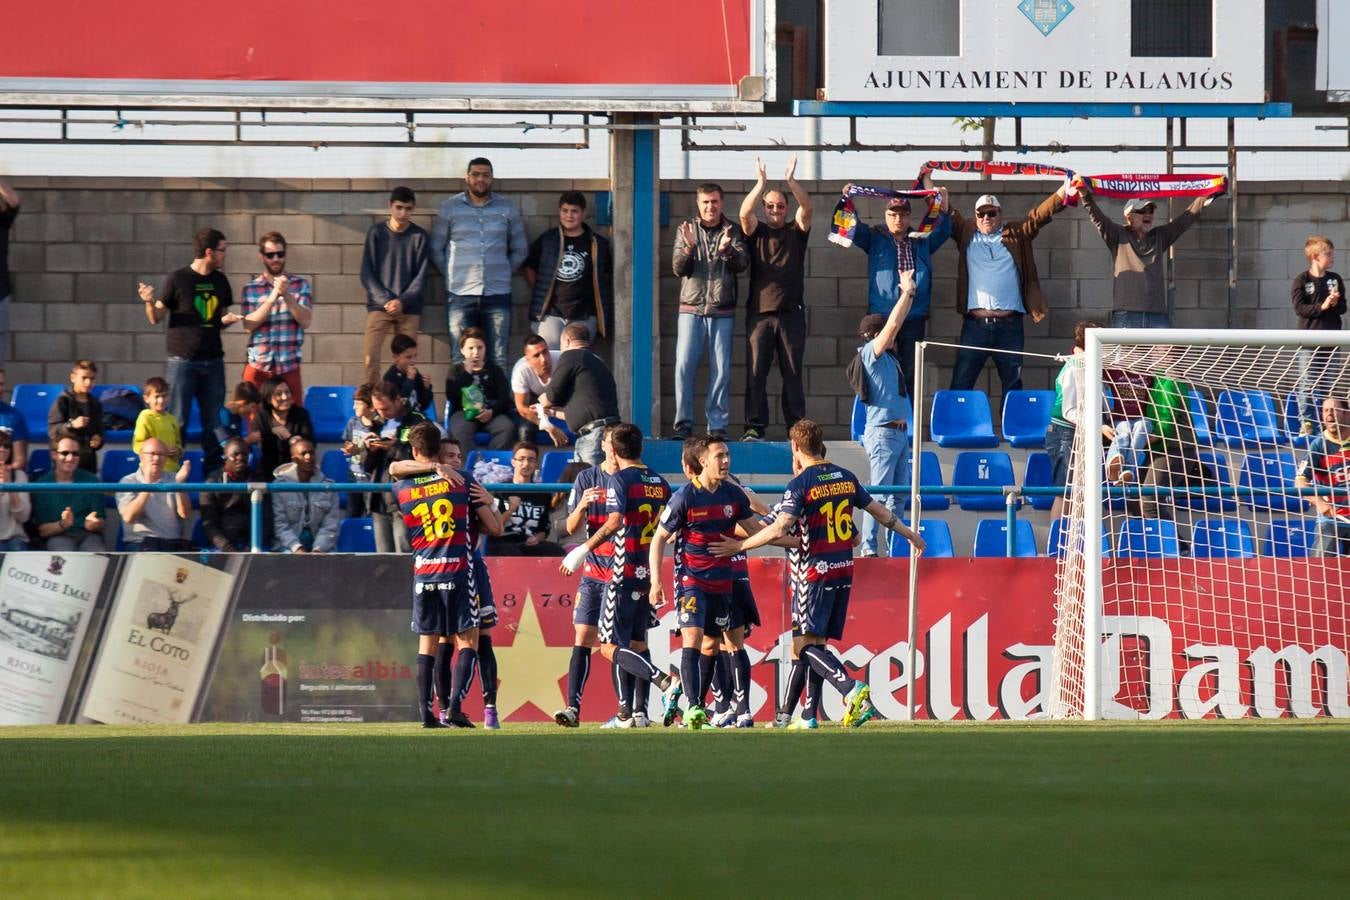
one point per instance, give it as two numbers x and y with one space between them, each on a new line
277 308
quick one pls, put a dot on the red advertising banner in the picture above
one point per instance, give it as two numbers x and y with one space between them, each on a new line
602 42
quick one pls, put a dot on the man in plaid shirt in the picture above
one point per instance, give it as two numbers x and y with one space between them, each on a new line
277 308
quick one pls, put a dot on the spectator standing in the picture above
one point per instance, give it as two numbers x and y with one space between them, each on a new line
304 522
9 211
394 268
583 386
12 424
996 285
1327 468
571 274
391 533
886 433
15 508
891 249
277 308
279 420
1138 256
69 520
77 413
195 299
403 374
476 395
226 516
526 520
710 251
1319 302
1066 413
154 520
155 421
775 312
529 381
478 241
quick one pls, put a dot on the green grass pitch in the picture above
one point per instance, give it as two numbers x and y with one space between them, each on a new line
1038 809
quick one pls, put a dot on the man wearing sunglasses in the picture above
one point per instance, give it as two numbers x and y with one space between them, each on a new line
996 287
277 308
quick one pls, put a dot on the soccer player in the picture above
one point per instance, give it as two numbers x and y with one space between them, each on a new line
587 504
701 513
822 497
635 498
436 509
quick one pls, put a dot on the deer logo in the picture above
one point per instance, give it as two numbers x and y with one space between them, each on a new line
164 621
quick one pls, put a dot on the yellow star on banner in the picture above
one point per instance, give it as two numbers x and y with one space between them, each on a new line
530 669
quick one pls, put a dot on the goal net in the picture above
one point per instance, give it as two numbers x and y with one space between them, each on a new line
1198 575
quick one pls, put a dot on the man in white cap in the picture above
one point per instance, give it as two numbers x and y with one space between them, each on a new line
996 286
1138 249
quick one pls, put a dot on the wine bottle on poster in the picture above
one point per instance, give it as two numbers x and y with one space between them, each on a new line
272 687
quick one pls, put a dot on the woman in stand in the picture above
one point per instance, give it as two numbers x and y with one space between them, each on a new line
279 420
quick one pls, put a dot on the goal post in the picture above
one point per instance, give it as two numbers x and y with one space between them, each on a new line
1196 576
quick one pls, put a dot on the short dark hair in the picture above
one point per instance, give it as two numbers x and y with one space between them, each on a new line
235 441
425 439
532 339
270 388
577 333
363 392
402 194
478 161
710 187
402 343
206 239
1080 331
272 237
473 331
526 445
6 440
386 390
871 326
626 439
447 441
246 392
156 384
85 365
572 198
808 436
691 455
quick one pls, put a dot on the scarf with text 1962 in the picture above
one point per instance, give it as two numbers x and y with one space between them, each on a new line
1155 186
844 222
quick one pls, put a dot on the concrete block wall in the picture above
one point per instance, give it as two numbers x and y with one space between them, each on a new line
81 245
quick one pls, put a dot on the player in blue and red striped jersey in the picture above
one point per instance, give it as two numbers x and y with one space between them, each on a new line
700 514
436 508
586 504
823 497
634 500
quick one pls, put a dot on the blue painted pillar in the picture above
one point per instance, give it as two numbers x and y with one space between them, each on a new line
635 192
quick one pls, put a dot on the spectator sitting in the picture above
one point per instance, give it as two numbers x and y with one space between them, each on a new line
279 420
78 414
226 517
529 381
11 423
155 421
1327 468
16 507
69 520
526 529
304 522
403 374
476 395
1131 426
363 426
154 521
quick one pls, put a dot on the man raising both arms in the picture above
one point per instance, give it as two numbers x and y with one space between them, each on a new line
823 497
635 498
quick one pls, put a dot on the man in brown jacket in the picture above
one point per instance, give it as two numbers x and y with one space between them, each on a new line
996 285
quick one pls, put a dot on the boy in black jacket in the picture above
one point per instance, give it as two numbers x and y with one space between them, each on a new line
78 414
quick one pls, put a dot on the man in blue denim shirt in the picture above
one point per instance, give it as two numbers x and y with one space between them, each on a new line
478 242
885 246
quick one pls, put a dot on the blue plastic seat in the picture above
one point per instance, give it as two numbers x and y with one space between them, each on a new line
333 464
1026 416
991 538
198 461
356 536
1293 421
1248 419
34 401
1290 538
858 421
115 465
329 408
962 419
198 537
930 475
192 431
663 456
39 462
1148 539
1215 461
987 469
1271 475
1039 473
937 537
1059 536
551 469
1201 417
761 458
1228 538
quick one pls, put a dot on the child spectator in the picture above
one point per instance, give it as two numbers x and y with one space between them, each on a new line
239 417
1319 302
78 414
363 426
279 420
155 421
403 374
